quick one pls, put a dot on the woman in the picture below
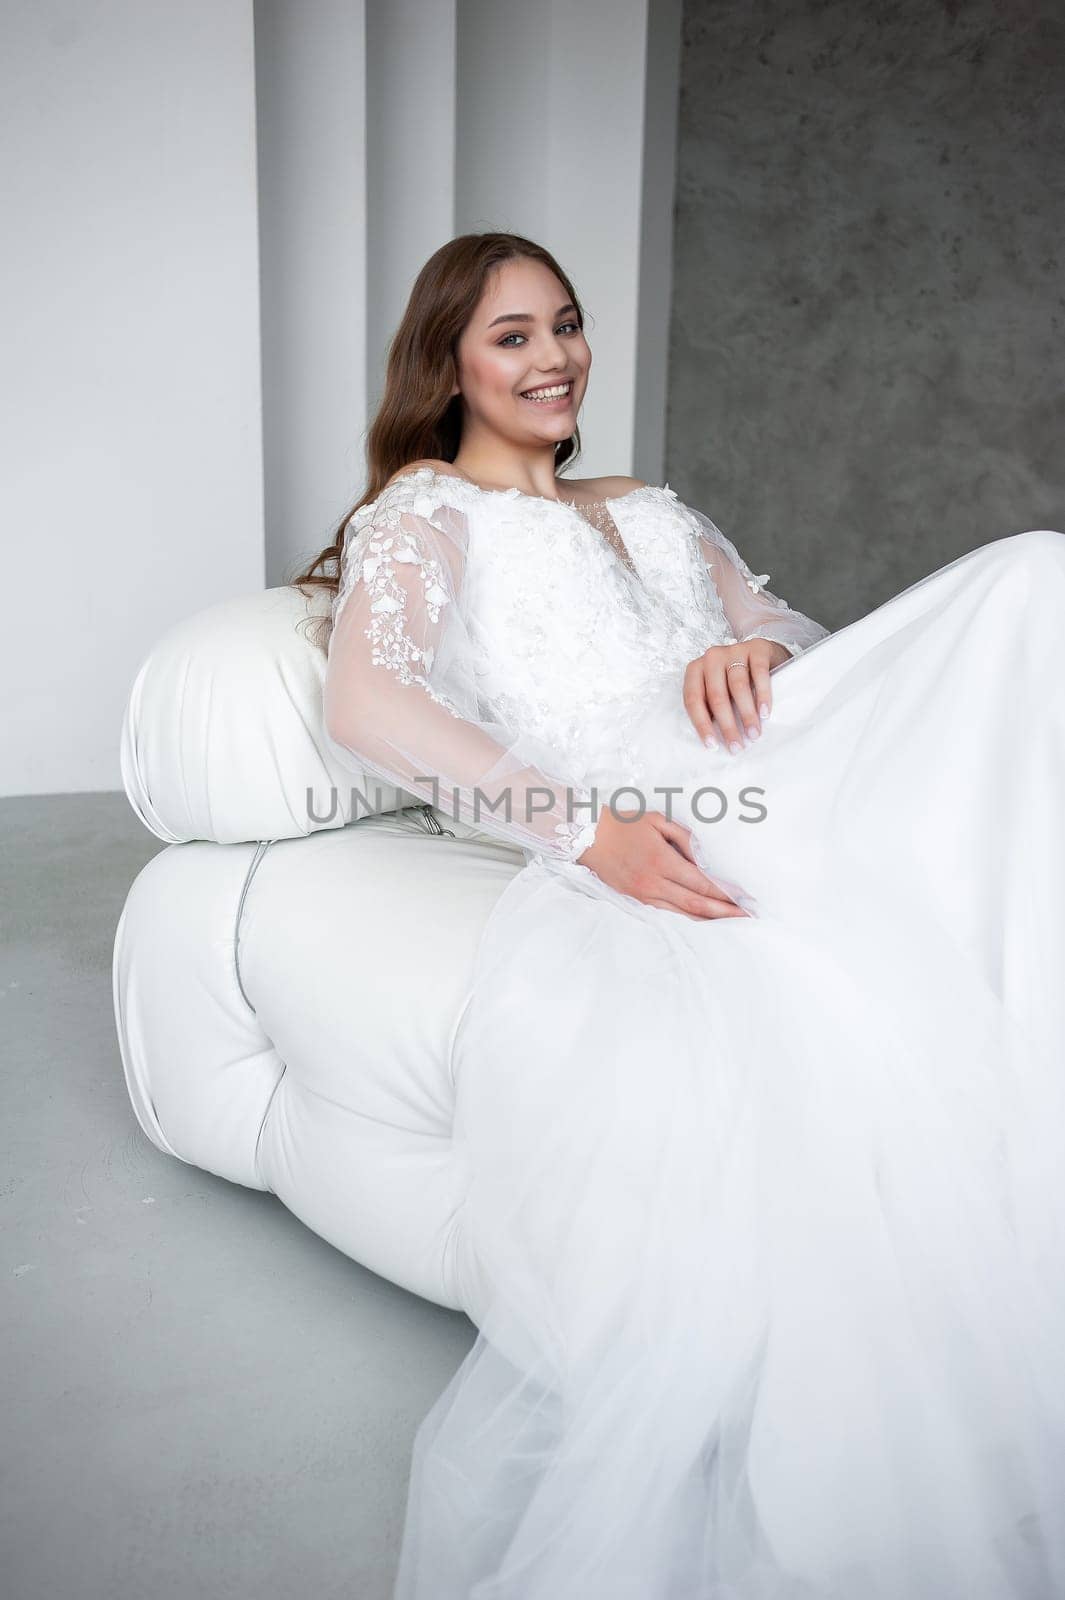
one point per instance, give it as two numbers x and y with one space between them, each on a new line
763 1237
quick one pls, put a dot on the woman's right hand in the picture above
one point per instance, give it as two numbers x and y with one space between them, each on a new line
650 858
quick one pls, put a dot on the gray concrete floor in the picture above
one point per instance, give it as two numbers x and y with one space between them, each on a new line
200 1396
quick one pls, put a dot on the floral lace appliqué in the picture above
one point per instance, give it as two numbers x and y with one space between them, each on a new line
376 543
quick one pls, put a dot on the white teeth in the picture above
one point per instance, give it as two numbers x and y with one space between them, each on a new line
555 393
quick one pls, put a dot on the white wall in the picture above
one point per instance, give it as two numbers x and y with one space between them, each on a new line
154 153
131 488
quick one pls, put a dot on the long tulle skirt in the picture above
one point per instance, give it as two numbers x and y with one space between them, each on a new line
765 1234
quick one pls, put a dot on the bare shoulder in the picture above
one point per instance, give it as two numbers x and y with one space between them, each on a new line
444 468
606 488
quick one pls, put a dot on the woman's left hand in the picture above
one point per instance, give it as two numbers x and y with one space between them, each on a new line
724 703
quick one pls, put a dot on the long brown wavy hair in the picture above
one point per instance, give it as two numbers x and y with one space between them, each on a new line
419 417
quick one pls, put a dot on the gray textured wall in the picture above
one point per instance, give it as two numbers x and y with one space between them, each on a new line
866 343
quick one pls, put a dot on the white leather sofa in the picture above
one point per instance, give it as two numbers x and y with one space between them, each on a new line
288 983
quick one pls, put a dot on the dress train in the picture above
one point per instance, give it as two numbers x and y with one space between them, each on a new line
765 1231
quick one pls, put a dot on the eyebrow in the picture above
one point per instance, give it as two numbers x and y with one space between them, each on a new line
525 316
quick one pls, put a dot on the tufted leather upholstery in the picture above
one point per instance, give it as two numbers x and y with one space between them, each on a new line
287 992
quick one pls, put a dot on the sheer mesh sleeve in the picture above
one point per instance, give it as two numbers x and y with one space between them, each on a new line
752 611
401 697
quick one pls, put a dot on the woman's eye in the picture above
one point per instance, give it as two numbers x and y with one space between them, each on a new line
507 336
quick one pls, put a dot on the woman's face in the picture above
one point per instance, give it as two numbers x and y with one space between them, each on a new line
523 335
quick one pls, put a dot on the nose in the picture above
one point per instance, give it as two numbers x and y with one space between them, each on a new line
559 365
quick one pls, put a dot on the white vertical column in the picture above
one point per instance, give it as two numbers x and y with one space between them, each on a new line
595 157
566 122
385 129
310 80
661 94
411 68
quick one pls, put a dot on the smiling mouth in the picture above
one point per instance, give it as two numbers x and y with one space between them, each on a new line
549 393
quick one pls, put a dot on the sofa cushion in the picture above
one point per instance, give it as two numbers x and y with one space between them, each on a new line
286 1014
223 737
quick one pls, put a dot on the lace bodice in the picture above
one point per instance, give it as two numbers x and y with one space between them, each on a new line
494 640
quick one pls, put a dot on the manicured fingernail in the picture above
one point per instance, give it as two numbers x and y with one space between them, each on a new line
710 742
763 711
735 747
752 733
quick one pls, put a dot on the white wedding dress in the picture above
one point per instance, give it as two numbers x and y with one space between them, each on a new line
766 1215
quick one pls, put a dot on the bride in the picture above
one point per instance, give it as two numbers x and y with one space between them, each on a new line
765 1229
